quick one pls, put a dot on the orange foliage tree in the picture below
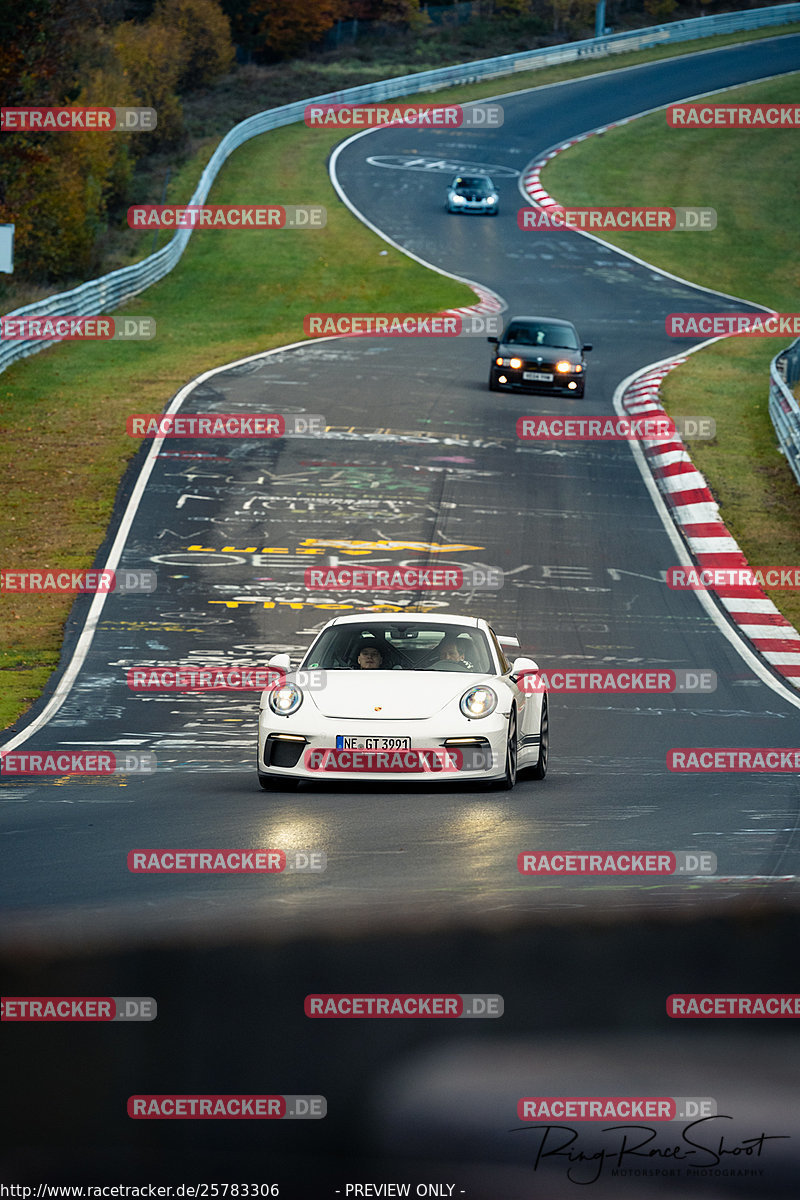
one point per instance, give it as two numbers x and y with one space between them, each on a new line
286 29
394 12
205 34
57 188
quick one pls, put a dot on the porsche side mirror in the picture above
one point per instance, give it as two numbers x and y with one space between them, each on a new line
523 666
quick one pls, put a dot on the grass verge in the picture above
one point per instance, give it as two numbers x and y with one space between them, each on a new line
753 253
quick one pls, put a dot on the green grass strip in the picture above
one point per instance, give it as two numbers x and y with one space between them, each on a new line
751 178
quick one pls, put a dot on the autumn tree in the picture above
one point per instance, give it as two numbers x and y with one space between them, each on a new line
573 16
57 188
283 30
52 185
512 8
152 60
393 12
660 10
204 32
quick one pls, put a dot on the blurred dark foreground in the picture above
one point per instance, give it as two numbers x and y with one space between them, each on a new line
416 1101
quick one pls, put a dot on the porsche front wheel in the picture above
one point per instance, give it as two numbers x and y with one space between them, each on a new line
510 777
540 770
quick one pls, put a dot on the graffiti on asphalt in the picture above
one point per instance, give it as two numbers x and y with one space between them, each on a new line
449 166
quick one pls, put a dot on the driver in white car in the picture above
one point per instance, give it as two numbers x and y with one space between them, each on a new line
450 651
369 657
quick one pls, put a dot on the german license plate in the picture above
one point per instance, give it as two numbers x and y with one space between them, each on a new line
372 743
537 375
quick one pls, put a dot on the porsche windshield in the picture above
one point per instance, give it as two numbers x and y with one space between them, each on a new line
402 646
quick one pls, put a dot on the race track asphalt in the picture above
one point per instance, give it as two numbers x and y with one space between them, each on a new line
417 450
421 890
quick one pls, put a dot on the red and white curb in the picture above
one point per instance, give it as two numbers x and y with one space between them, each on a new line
488 302
687 494
696 514
531 181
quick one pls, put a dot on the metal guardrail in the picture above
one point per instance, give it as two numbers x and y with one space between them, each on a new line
109 291
784 372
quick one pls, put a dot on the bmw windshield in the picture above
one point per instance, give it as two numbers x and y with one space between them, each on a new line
559 337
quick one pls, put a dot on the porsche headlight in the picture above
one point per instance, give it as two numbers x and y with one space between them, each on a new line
285 700
478 702
563 366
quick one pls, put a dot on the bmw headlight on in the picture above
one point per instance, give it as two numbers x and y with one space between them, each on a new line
285 700
563 366
479 701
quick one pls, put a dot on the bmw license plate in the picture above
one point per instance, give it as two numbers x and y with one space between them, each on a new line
372 743
540 375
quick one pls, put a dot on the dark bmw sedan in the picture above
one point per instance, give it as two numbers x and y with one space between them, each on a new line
539 354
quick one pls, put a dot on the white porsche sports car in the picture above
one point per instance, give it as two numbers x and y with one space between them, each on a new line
403 697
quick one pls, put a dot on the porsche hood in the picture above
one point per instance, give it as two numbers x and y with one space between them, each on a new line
391 695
